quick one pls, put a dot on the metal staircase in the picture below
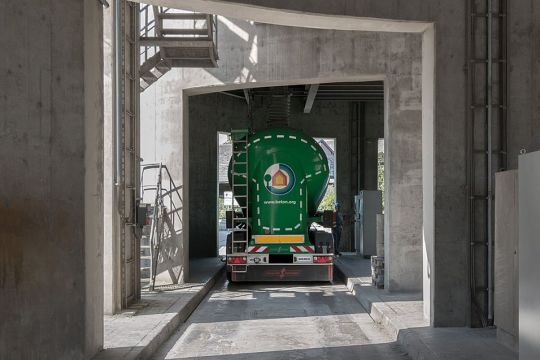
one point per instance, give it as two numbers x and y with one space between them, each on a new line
240 190
165 214
174 38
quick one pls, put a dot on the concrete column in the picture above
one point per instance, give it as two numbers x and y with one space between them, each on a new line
403 172
450 297
93 180
162 108
51 194
111 252
523 79
428 169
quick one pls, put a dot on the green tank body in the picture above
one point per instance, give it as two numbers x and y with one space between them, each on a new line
287 176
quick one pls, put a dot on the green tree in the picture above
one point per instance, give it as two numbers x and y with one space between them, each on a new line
380 176
221 208
329 199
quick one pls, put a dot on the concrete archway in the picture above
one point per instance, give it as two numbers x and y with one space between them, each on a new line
409 99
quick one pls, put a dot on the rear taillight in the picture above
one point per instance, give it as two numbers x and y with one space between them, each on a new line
322 259
237 260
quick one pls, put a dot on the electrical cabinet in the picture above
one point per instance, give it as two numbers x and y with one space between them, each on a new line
367 205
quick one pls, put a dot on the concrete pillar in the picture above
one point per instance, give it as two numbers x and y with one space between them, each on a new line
111 252
162 107
523 79
51 194
428 169
403 173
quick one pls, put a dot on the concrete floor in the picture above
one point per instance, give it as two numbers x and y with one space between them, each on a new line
402 316
137 332
280 321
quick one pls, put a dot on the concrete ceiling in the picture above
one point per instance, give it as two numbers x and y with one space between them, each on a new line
353 91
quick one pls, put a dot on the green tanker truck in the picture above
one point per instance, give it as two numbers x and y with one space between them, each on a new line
278 177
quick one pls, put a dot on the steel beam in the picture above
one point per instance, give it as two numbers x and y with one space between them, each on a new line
311 98
171 42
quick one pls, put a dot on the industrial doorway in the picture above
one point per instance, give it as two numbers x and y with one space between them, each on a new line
329 147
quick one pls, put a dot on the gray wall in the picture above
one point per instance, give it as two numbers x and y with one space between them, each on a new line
209 114
51 107
529 253
506 266
372 129
524 79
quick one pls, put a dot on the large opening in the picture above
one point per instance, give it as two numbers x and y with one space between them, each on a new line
184 128
329 147
224 193
346 119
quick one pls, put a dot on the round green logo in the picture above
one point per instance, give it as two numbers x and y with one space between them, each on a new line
279 179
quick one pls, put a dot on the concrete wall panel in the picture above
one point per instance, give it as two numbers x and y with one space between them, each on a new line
529 253
506 266
524 79
50 139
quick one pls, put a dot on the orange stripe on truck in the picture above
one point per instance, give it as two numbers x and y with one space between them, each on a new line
279 239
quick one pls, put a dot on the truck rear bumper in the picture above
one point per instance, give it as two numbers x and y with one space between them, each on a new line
282 272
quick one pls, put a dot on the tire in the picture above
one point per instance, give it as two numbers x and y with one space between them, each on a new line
229 277
228 247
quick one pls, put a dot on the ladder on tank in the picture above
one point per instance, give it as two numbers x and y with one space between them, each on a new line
240 190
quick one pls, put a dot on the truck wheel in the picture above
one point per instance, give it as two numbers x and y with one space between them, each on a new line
229 276
228 246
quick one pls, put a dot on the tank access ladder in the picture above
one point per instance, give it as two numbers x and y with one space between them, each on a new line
240 191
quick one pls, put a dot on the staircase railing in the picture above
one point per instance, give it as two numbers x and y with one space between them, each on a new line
174 38
148 28
167 206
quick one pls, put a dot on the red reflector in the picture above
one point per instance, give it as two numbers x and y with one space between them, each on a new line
322 259
237 260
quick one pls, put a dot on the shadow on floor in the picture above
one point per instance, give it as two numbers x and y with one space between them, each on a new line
387 351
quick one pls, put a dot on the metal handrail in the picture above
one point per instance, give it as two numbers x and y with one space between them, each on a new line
163 196
150 28
164 191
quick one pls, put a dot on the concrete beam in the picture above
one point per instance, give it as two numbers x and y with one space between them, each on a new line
312 93
286 17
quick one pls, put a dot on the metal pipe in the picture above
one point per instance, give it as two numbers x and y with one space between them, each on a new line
489 115
117 90
469 131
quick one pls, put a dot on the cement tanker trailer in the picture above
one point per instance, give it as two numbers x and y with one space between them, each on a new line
278 178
